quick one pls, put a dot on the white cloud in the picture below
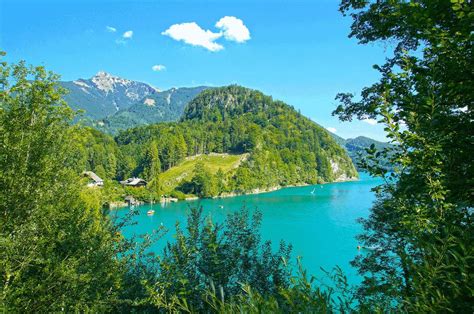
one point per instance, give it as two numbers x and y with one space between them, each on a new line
128 34
158 67
331 129
111 29
370 121
233 29
193 34
230 28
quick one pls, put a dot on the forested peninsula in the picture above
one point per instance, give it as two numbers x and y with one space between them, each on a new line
230 140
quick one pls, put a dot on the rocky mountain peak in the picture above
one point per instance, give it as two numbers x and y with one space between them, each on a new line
107 82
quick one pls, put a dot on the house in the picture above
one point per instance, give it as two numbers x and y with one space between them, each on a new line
94 180
131 201
135 182
166 199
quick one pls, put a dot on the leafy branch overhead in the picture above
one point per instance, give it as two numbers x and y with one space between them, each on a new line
422 221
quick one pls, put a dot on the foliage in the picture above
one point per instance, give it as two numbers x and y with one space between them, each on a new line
184 171
203 183
224 268
420 228
97 152
59 251
300 296
209 267
284 147
43 212
357 150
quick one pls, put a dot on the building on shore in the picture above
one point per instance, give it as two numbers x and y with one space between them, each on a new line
94 180
134 182
131 201
167 199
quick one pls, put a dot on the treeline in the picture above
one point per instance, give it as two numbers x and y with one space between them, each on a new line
284 147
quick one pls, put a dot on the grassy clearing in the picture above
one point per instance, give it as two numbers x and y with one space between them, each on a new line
172 177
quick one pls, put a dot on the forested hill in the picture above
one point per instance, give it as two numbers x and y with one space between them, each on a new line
158 107
283 147
357 149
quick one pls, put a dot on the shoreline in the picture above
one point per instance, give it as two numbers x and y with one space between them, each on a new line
234 193
279 187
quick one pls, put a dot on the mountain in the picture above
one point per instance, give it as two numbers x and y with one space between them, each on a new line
356 149
104 94
361 142
158 107
112 104
282 146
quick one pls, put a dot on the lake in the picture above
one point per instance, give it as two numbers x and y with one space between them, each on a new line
321 226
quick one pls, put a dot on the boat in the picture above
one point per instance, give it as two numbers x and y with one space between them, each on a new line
314 190
221 206
151 212
370 248
373 248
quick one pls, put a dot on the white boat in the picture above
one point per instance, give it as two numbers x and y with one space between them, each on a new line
151 212
373 248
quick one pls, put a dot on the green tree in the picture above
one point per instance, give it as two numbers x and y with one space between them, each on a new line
151 163
58 251
220 181
223 256
421 227
203 182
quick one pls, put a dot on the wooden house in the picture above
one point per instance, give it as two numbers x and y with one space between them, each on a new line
135 182
94 180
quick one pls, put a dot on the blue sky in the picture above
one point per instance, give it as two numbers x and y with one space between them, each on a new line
296 51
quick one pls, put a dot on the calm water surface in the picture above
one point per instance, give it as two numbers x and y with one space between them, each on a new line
321 226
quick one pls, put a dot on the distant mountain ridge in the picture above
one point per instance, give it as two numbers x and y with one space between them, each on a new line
104 94
162 106
112 104
356 148
360 142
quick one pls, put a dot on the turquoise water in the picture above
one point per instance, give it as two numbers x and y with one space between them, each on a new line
320 226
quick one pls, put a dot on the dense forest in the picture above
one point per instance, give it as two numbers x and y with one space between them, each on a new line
60 251
284 148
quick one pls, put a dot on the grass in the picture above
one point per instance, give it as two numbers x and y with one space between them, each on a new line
184 171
